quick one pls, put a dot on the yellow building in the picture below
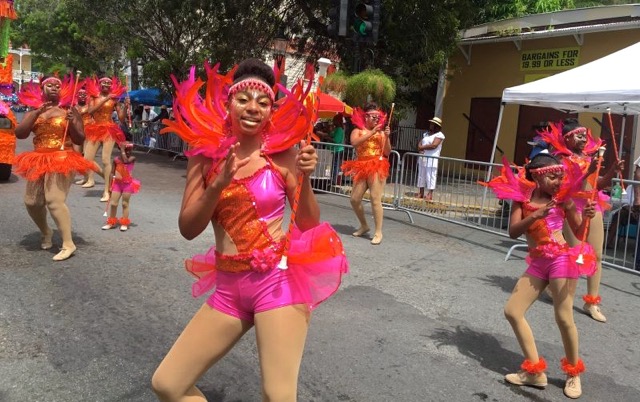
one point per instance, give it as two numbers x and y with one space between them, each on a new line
502 54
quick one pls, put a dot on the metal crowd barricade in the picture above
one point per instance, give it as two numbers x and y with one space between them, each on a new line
459 198
148 136
329 178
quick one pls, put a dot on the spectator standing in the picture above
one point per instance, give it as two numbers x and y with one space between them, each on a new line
336 134
430 146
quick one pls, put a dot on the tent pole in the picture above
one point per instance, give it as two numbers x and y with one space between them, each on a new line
491 161
495 139
624 121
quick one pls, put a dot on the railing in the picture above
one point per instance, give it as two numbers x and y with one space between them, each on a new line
459 199
26 76
147 135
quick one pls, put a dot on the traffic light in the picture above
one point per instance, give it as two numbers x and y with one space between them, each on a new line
366 20
338 18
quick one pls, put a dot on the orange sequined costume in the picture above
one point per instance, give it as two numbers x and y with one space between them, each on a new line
8 139
48 155
369 162
103 128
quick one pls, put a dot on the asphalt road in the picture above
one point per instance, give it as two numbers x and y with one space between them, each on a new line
418 318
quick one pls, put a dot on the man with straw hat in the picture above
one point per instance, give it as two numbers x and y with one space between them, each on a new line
430 146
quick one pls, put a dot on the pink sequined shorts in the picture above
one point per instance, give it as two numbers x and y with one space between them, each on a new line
547 268
243 294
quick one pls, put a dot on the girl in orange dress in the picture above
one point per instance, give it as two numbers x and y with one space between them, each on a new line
104 100
370 169
50 167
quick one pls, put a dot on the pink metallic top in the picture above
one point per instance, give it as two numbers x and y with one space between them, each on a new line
245 209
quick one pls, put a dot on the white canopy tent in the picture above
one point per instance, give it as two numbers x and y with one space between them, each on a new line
609 83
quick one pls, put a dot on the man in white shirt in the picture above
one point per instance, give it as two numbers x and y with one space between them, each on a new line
430 145
148 114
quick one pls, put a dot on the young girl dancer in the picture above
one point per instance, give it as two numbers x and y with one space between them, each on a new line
540 204
241 169
370 169
104 93
573 141
123 186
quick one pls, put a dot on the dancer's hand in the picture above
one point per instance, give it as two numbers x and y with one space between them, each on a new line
228 169
589 210
544 210
73 114
307 158
387 131
619 166
44 107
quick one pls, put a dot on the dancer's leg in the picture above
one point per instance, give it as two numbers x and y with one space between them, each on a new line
36 205
114 200
126 198
357 192
526 291
563 291
107 149
281 334
56 188
376 190
206 339
596 239
90 150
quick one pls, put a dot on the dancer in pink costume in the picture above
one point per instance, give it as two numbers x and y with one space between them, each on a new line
541 201
123 186
573 141
243 166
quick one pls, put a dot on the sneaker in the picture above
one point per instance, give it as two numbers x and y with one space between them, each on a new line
593 310
108 226
573 387
124 228
523 378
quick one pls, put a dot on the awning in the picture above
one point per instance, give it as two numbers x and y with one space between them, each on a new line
149 96
328 106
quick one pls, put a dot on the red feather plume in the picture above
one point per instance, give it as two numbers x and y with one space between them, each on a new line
509 186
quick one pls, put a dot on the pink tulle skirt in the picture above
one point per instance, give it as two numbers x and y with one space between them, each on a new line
131 187
316 261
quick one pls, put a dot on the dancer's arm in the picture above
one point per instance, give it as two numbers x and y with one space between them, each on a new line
304 160
76 126
577 222
29 120
387 141
358 136
121 109
95 104
200 197
605 181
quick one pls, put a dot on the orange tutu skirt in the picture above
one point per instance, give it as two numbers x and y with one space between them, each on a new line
35 164
7 148
101 132
363 169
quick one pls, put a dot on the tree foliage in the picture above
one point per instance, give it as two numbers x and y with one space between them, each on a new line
166 37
